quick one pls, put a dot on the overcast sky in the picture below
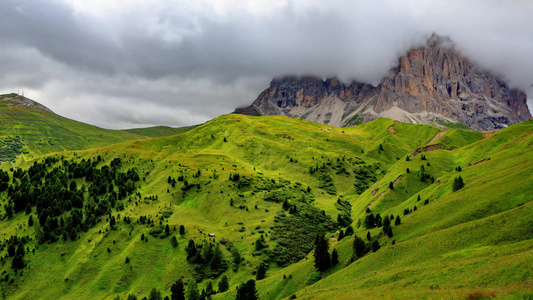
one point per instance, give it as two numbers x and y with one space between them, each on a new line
135 63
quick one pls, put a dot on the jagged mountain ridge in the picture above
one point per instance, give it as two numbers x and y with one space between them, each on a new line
431 84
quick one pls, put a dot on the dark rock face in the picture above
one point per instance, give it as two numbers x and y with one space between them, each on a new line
431 84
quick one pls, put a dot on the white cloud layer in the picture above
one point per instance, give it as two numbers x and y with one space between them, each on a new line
132 63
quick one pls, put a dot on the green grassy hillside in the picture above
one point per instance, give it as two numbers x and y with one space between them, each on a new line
27 129
265 186
159 131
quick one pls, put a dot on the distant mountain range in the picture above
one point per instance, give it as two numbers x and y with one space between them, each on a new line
432 84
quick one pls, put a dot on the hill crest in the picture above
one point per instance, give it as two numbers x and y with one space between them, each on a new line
16 99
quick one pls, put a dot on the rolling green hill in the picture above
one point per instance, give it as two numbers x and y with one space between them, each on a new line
159 131
29 129
265 186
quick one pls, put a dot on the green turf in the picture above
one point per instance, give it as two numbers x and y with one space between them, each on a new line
40 131
159 131
476 239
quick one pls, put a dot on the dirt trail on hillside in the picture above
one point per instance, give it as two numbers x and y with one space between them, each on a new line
437 136
373 201
396 181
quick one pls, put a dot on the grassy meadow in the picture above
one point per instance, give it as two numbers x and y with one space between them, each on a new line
449 244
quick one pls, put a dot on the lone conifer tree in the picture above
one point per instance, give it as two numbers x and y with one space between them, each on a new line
386 224
375 246
334 257
397 221
341 235
223 285
359 247
261 271
177 290
322 258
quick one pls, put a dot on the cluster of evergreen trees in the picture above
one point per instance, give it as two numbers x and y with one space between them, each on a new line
15 249
458 183
344 218
208 259
179 292
63 208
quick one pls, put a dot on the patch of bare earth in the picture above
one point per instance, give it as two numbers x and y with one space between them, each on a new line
486 134
425 149
437 136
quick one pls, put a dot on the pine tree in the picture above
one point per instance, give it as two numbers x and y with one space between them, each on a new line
389 232
209 289
216 262
182 230
18 262
348 231
112 221
334 257
223 285
375 246
397 221
155 295
261 271
191 250
368 236
386 224
192 291
458 183
369 221
322 258
206 252
177 290
341 235
174 241
359 247
247 291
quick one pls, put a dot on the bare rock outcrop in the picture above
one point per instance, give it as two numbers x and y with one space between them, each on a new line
431 84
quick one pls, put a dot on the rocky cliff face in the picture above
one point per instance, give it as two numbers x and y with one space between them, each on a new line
432 84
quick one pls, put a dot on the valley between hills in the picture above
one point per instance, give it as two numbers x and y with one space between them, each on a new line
411 211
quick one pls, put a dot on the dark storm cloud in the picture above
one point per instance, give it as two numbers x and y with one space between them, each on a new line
142 63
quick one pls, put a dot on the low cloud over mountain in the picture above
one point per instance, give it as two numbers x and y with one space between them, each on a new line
138 63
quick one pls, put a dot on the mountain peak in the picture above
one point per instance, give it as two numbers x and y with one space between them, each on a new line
16 99
432 84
